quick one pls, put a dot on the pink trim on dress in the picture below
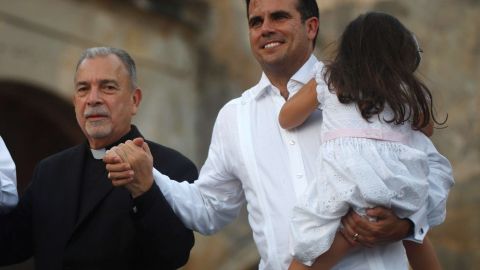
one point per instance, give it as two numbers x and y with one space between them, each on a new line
367 133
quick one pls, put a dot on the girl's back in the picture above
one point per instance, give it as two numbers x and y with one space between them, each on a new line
345 120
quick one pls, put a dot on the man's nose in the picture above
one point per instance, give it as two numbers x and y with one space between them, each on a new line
94 96
267 28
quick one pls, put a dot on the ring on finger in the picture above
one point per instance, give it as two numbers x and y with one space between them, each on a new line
355 237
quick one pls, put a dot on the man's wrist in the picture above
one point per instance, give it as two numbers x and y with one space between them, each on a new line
408 228
139 190
144 202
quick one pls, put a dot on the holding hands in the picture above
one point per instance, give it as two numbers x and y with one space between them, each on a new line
130 164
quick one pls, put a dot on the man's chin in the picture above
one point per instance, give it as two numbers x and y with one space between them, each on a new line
99 133
272 59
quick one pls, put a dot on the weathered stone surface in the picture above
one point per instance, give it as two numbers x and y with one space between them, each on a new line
189 71
44 49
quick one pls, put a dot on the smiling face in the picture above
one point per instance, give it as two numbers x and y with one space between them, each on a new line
104 100
279 39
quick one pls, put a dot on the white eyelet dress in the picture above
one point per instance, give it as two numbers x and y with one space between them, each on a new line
360 165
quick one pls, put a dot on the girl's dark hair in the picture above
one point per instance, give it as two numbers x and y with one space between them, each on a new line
374 66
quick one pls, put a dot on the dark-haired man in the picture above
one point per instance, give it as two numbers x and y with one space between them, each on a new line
253 161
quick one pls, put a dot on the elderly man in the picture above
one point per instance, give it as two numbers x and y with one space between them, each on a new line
253 161
71 216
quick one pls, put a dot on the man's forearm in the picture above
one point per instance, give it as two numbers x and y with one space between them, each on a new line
420 226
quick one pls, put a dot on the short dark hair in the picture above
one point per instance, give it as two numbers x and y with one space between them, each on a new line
307 9
126 59
374 66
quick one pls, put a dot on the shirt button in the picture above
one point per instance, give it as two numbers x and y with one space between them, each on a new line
299 175
291 142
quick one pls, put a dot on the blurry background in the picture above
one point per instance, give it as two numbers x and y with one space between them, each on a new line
193 56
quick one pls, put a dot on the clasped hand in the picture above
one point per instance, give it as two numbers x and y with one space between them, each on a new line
130 165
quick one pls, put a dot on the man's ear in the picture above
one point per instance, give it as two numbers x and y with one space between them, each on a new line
312 25
136 99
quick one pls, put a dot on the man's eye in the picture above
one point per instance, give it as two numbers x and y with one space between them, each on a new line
110 87
280 16
254 23
81 92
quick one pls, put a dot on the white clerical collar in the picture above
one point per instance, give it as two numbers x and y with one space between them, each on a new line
98 153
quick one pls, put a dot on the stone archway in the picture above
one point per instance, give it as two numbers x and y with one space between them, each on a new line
34 123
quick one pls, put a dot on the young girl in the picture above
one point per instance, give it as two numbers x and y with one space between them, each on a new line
371 103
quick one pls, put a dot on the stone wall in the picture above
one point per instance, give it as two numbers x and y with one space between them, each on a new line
190 66
42 40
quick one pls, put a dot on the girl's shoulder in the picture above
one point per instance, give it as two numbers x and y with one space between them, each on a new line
323 91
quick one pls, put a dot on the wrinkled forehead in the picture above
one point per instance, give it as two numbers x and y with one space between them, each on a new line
101 67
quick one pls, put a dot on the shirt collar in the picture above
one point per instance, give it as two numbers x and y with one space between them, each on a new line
303 75
98 153
132 134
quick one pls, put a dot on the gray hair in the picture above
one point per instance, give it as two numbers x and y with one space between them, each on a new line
126 59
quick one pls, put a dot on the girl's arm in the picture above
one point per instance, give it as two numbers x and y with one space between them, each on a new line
296 265
327 260
297 109
422 256
339 248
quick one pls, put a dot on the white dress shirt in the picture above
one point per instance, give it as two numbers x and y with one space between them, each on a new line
253 160
8 180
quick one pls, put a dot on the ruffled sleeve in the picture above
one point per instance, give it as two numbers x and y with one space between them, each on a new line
322 87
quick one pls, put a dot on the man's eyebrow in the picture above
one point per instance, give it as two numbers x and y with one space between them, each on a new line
281 13
101 82
81 83
107 81
275 14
